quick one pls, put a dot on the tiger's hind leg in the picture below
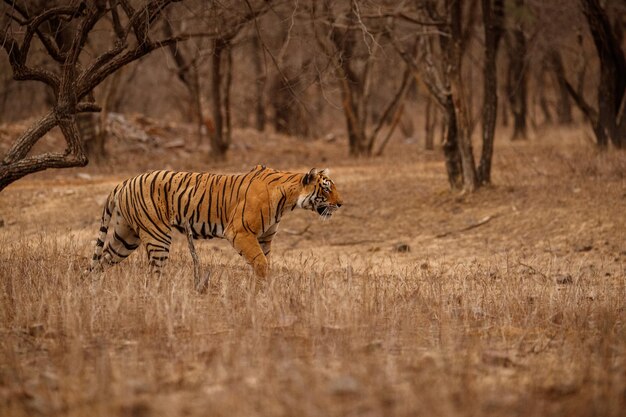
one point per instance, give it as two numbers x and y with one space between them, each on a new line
123 242
158 250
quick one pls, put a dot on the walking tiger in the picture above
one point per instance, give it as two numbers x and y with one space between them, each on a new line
245 209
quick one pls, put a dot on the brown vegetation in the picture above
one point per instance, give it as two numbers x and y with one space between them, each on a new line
410 301
508 298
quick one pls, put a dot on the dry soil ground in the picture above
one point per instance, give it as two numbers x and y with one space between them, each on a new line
410 301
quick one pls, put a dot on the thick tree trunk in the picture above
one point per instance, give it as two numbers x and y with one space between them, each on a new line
493 12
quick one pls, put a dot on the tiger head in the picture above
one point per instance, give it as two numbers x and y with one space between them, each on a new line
319 193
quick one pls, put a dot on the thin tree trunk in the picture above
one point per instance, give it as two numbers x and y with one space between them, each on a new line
517 79
197 102
218 144
257 51
430 124
227 90
451 147
493 14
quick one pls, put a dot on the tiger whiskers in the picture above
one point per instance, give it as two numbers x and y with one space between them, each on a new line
327 213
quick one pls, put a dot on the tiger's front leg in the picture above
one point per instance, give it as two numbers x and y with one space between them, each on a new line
248 246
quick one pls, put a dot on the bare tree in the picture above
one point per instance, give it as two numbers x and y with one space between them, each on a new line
438 65
73 80
353 48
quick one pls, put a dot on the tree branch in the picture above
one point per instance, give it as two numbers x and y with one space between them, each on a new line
27 140
20 71
12 172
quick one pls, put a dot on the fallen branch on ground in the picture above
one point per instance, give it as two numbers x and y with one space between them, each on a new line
482 221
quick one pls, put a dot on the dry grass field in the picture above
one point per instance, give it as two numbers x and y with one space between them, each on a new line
410 301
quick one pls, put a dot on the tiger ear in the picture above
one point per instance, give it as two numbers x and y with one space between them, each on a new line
309 177
325 172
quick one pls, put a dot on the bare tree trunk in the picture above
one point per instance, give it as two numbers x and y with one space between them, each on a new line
430 124
470 182
517 78
493 15
228 82
257 63
219 145
451 148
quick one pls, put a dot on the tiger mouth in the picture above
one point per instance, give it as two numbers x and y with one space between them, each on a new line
325 210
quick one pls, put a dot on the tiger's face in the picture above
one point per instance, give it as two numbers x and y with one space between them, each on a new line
319 193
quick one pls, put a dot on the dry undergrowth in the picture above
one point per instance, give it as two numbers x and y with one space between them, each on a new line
520 315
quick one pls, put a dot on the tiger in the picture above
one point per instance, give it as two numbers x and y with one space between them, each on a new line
245 209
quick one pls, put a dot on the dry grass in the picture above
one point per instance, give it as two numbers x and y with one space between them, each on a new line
522 315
